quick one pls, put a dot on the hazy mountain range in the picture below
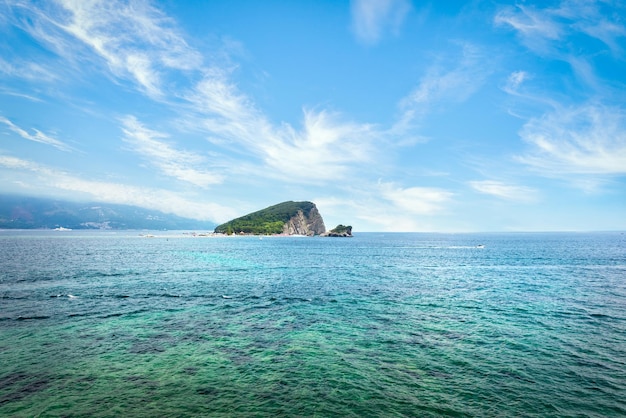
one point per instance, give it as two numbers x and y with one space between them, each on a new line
19 212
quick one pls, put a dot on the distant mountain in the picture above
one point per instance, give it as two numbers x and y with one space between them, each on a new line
18 212
290 218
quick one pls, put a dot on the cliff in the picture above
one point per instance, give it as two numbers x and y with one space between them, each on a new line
299 224
291 218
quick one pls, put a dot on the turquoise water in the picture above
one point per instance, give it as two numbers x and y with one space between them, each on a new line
113 324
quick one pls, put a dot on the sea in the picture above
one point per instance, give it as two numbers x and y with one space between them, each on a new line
168 324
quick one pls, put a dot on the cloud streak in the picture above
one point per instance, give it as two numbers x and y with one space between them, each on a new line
47 180
443 82
136 41
387 206
325 148
416 200
181 165
36 136
589 139
371 19
504 191
546 31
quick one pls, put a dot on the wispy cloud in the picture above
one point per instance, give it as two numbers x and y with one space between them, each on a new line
36 136
135 40
415 200
536 27
589 139
139 43
31 71
584 142
592 19
452 79
551 32
515 81
181 165
504 191
324 148
387 206
371 19
47 180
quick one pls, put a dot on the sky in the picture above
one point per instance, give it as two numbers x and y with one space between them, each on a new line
390 115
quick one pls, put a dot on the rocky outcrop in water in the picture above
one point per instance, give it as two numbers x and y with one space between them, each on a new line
342 231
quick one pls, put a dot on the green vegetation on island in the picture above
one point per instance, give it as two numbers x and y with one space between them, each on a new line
342 229
267 221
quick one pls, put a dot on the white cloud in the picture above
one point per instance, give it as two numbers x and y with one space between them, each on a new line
504 191
590 19
27 70
533 25
48 180
545 30
386 207
515 80
325 148
452 81
135 40
372 18
36 136
19 164
416 200
589 140
170 161
139 43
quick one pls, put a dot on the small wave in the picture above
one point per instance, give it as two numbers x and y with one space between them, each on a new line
28 318
113 315
599 315
116 314
163 295
289 299
296 299
76 315
64 296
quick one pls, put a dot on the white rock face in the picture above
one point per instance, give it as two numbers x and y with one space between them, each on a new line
300 224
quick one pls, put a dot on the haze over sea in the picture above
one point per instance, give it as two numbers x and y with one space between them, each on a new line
96 323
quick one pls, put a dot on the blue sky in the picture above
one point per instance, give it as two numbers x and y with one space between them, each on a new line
390 115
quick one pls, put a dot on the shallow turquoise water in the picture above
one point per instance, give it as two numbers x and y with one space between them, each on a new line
112 324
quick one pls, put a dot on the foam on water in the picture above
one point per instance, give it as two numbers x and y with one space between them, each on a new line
377 325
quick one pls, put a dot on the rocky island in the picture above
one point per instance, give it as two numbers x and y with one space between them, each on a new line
287 218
